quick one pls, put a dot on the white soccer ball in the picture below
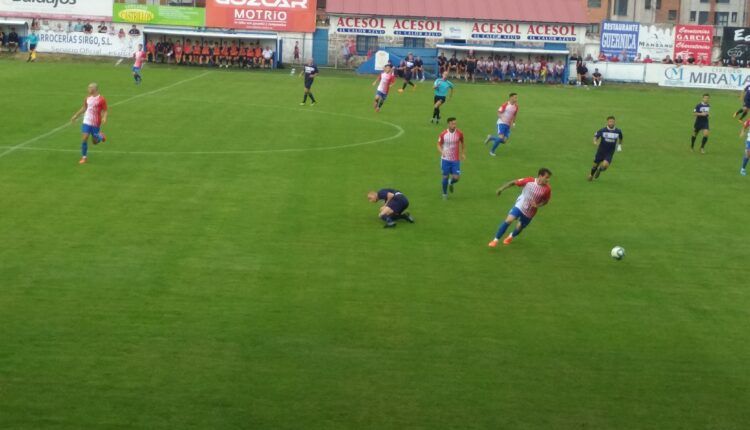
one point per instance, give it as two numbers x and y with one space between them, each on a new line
618 252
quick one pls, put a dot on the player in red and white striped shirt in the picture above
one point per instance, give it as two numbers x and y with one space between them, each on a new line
536 193
95 108
452 150
384 83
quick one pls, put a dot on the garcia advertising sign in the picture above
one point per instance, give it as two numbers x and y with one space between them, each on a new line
104 45
656 41
434 28
618 36
57 9
719 78
736 43
273 15
694 40
154 14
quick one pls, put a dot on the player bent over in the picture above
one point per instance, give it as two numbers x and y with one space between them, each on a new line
608 140
394 208
95 106
535 194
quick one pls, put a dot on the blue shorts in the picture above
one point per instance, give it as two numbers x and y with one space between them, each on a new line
503 129
381 95
747 145
525 221
137 69
90 129
450 167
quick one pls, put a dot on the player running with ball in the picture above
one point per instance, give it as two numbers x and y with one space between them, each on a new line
536 193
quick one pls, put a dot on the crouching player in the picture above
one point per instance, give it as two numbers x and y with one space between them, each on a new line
536 193
394 208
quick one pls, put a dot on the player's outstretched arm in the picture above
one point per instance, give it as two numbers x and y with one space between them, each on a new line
505 187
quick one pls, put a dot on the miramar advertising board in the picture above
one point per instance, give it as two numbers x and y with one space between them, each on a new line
718 78
155 14
619 36
435 28
57 9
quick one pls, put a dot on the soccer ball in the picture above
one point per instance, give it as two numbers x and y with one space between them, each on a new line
618 252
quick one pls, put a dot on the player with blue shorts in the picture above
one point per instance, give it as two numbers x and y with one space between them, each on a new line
745 96
442 87
745 131
139 57
506 119
452 151
384 83
536 193
95 108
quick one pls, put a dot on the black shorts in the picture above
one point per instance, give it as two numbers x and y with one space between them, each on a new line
746 104
605 153
700 126
398 204
440 99
407 75
309 82
471 68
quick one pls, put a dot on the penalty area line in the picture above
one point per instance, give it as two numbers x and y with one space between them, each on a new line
21 145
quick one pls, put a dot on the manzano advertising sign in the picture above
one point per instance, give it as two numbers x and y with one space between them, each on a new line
164 15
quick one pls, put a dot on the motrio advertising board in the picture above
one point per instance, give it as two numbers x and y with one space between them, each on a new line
155 14
57 9
467 30
268 15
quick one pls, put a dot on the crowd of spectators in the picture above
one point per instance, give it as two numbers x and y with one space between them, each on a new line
624 57
214 53
496 68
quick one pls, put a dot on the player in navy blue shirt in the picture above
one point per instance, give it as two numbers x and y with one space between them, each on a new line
608 140
394 207
701 113
745 104
310 70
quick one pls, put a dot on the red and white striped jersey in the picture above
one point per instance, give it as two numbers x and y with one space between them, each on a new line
386 80
532 196
507 113
95 105
450 143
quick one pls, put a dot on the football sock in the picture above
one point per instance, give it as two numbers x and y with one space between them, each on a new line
404 87
304 100
594 169
312 98
503 228
517 231
739 111
703 142
445 185
386 218
436 113
84 148
380 103
744 161
497 141
692 141
744 114
454 181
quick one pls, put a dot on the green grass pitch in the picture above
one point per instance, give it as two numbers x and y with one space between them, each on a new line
217 265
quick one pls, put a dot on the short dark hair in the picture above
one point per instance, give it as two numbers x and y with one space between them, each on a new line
610 117
544 172
512 94
451 119
706 95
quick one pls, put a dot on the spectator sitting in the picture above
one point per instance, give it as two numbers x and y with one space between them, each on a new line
614 58
12 41
624 56
732 62
691 59
648 60
78 28
121 33
134 31
678 60
88 28
597 78
589 58
638 58
150 51
667 60
58 27
268 58
602 57
102 28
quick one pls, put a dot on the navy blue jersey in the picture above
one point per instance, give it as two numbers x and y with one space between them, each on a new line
310 71
609 136
746 92
702 108
383 194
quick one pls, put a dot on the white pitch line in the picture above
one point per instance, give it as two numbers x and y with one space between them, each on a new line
55 130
